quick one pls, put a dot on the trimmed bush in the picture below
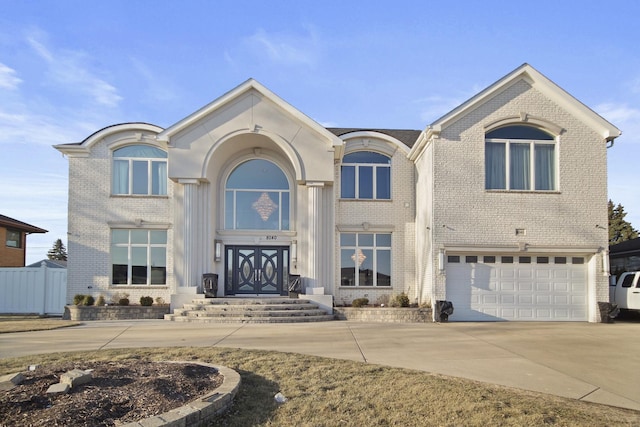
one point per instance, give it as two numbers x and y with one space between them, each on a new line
88 300
146 301
401 300
77 299
100 301
123 301
360 302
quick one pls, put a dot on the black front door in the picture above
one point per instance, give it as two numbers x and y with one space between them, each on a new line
257 270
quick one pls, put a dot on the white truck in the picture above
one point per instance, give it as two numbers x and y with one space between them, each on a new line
625 292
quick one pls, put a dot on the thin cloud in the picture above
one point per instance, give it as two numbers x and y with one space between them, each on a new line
8 78
286 49
433 107
624 117
157 88
68 69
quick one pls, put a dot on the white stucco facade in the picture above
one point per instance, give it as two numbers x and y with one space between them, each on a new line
434 207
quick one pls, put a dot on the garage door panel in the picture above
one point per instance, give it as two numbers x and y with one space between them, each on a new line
525 286
515 291
506 286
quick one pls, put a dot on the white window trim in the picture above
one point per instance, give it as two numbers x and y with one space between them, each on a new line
375 177
130 161
532 143
148 246
374 248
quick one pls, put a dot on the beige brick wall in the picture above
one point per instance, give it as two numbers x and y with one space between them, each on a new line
396 216
466 214
91 210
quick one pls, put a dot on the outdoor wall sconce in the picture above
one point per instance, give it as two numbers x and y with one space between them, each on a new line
218 251
441 260
294 251
605 263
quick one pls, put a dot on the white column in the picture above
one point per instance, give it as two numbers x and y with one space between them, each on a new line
315 238
189 233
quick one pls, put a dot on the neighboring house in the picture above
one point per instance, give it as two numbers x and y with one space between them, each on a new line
625 256
13 241
50 263
500 206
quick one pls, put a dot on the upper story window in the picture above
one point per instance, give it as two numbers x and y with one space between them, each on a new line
140 170
14 238
257 197
365 175
520 158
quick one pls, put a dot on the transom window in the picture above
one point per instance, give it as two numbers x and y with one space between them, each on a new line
139 257
257 197
520 158
139 170
369 255
365 175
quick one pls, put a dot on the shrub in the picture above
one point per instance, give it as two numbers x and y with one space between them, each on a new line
383 300
77 299
146 301
120 298
401 300
360 302
160 301
100 301
88 300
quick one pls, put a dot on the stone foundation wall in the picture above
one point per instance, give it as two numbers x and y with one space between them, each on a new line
384 314
116 312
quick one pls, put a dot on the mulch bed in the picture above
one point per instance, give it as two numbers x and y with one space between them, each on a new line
120 392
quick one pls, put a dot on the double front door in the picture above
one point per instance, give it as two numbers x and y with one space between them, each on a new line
256 270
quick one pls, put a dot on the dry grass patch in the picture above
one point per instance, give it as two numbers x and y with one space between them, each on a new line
328 392
32 323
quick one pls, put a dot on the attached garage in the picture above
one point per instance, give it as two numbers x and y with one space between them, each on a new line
515 287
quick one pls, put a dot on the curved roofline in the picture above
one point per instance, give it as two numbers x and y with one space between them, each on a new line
85 145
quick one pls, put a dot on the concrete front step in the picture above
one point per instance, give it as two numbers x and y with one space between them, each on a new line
293 319
249 310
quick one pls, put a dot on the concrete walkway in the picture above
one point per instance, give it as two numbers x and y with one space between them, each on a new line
591 362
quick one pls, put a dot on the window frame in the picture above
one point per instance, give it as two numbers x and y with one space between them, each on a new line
284 197
130 245
531 144
358 170
18 233
375 249
151 179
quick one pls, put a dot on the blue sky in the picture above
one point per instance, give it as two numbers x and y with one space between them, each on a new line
69 68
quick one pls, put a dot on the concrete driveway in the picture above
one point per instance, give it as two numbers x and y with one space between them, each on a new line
591 362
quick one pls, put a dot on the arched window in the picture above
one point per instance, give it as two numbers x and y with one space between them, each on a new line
139 170
520 158
365 175
257 197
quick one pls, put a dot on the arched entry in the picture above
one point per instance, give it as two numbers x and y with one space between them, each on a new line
257 198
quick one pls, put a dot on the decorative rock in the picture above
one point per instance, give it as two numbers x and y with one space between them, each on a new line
58 388
32 367
9 381
280 398
76 377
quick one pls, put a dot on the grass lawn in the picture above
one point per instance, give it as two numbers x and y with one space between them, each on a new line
328 392
32 323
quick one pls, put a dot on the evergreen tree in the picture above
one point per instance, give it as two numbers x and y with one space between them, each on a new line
58 251
620 230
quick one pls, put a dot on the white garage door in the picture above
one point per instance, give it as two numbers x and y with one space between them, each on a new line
515 287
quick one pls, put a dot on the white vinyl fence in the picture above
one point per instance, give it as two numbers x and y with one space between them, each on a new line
27 290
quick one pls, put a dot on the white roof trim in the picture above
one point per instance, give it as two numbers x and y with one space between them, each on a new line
243 88
544 85
82 149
